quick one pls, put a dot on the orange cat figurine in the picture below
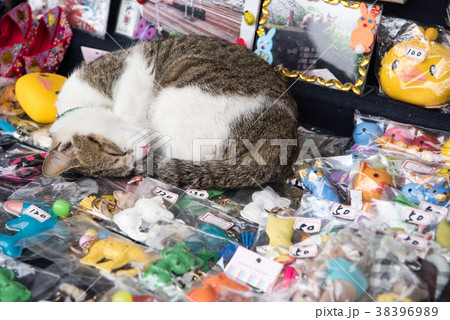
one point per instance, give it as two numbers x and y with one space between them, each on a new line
371 183
362 37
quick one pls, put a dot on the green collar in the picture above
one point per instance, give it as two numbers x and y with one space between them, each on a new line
68 111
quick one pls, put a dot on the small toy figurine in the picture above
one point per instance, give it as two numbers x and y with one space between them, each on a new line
176 261
445 152
33 219
397 137
145 211
10 290
411 194
365 133
371 183
316 180
417 71
362 37
249 18
209 291
118 253
345 282
437 193
426 142
280 230
264 46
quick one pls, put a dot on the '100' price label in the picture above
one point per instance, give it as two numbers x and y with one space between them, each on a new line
201 194
169 196
36 213
415 53
303 251
344 212
416 242
307 225
416 216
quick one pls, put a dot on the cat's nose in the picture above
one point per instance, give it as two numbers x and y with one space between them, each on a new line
262 47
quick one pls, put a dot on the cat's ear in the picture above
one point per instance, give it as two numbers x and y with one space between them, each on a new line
60 159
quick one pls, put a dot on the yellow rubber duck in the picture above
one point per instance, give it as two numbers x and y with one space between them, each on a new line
417 71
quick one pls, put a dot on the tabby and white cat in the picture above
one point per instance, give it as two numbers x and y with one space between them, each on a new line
187 88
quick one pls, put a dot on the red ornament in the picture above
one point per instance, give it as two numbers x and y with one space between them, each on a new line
141 1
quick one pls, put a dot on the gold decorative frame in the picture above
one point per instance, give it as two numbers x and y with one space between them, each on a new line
362 68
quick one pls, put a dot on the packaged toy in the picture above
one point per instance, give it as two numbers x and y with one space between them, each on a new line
415 63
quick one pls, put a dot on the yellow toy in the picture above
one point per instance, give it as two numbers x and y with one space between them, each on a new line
417 71
37 93
445 152
280 230
118 254
249 18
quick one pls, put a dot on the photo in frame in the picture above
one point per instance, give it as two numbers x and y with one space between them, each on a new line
325 42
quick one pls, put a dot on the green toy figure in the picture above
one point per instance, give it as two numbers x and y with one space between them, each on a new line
176 261
10 290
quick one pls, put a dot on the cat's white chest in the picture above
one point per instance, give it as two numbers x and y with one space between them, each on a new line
195 123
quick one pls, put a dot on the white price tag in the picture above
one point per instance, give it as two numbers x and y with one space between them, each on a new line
356 198
212 219
416 216
415 53
200 194
307 225
62 185
417 167
303 252
253 269
169 196
416 242
429 207
36 213
344 212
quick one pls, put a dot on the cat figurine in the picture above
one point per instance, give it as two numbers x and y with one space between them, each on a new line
166 104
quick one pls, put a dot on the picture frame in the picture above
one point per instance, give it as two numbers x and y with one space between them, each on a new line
322 42
128 18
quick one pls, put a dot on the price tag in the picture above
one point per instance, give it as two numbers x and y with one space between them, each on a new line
212 219
416 242
415 53
37 213
417 167
62 185
307 225
303 252
200 194
356 198
169 196
416 216
253 269
344 212
429 207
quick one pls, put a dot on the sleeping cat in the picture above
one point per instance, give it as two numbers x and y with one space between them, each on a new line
187 89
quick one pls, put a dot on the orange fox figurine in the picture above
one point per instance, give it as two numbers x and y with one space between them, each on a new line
371 183
362 37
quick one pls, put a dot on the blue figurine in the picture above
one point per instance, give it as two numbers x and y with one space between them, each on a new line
316 180
364 136
437 194
264 45
412 193
33 219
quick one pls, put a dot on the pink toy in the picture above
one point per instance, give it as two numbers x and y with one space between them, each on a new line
362 37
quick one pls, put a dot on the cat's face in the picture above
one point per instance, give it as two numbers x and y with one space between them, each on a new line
90 154
95 143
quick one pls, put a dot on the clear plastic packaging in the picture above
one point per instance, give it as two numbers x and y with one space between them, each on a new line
20 282
414 62
89 16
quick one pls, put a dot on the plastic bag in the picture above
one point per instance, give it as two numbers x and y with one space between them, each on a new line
41 7
90 16
21 282
414 62
375 134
